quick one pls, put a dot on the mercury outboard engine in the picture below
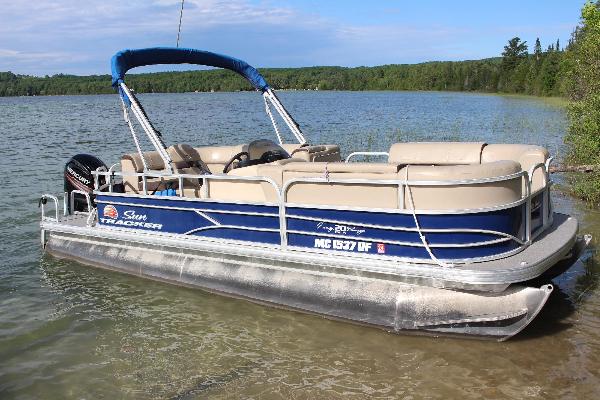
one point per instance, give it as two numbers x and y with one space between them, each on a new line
78 176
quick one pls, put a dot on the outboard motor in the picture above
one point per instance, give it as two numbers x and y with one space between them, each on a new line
78 176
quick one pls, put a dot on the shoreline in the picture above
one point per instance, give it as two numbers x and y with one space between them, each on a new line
555 100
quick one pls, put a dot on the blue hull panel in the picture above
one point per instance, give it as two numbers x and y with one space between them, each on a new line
475 235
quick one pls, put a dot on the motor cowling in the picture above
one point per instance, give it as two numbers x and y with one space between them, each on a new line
78 176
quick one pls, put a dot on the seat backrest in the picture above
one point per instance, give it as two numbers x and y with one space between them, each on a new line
424 197
252 191
436 153
216 157
372 195
342 194
455 197
526 155
183 154
185 158
316 153
134 161
325 167
283 170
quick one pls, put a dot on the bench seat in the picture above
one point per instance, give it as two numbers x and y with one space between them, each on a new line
366 195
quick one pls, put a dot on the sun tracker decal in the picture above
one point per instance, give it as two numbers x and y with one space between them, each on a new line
110 212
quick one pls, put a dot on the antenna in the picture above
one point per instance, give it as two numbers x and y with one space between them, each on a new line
180 16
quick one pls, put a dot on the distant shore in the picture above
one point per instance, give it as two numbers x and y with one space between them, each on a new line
485 76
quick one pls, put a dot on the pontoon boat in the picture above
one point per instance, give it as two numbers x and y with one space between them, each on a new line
440 238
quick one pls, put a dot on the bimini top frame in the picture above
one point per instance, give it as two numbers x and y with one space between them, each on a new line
125 60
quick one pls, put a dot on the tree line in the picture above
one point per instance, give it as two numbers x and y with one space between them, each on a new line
582 85
538 73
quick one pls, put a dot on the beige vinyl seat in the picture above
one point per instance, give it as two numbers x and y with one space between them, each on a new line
186 160
413 161
422 162
216 157
256 191
132 163
436 153
387 196
455 197
280 172
457 153
342 194
463 153
372 195
315 153
527 156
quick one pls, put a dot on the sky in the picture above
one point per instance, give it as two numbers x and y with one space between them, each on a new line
46 37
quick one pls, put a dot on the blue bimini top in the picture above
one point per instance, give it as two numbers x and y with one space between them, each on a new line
125 60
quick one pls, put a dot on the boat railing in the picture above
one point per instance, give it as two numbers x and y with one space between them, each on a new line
174 177
109 182
282 191
88 201
402 185
43 200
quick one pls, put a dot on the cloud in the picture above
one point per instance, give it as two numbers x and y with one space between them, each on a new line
71 36
71 18
31 60
78 31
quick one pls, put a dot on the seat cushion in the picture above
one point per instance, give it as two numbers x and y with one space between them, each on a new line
459 172
185 160
355 167
215 157
342 194
436 153
455 197
316 153
153 161
526 155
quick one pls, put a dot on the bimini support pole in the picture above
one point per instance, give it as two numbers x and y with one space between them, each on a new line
270 114
154 137
285 115
135 138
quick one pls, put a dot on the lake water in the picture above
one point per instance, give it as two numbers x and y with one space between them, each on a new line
72 331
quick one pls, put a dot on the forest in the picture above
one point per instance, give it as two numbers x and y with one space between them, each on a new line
515 71
581 81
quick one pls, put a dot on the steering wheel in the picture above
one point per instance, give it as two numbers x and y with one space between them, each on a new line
273 155
237 157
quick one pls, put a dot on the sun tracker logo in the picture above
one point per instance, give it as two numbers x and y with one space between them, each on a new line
111 212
